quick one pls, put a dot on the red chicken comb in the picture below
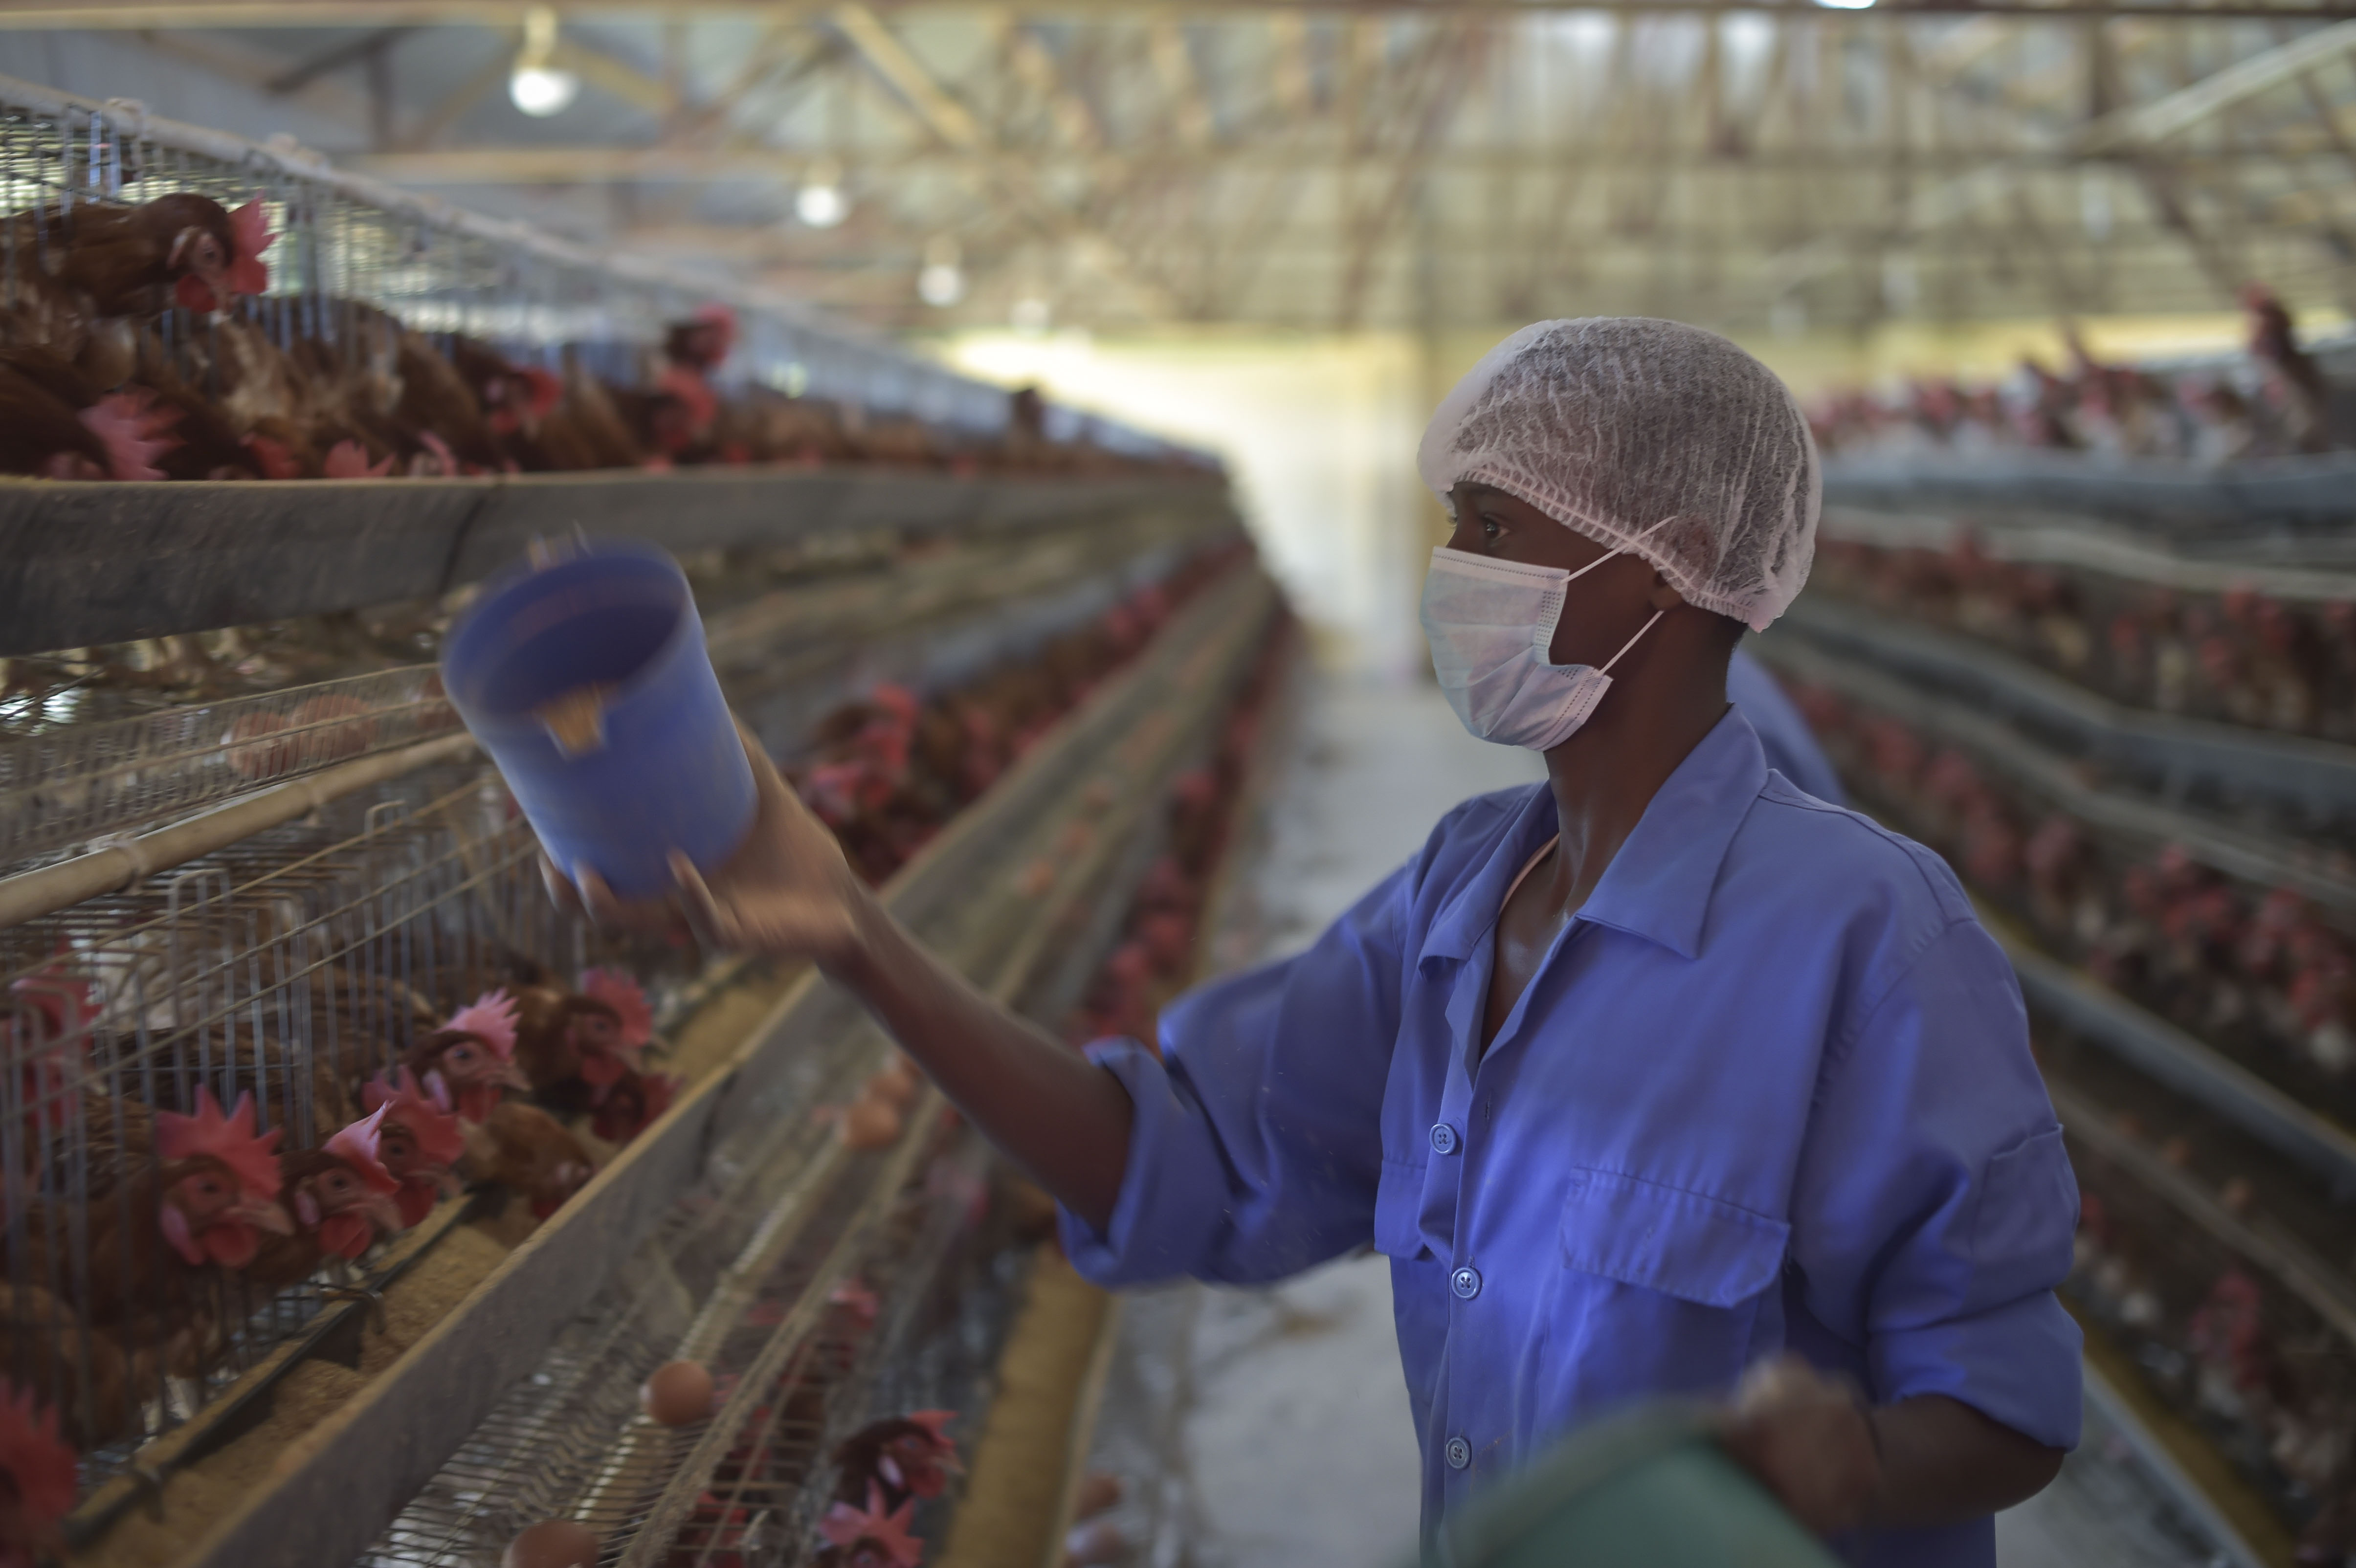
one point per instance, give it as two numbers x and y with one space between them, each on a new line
348 459
628 1000
133 431
230 1139
250 226
439 1137
356 1145
36 1459
845 1526
491 1019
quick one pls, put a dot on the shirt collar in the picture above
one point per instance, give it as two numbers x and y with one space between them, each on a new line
1658 886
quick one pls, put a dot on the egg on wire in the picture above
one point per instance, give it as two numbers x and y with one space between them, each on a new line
677 1393
553 1543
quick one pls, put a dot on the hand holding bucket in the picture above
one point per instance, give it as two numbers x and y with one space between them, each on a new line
587 682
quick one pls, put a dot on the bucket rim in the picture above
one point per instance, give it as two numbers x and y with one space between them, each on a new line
462 693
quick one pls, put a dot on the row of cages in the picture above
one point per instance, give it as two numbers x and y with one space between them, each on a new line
259 1094
175 303
2137 754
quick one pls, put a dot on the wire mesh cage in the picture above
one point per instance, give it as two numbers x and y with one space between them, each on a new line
181 1057
63 783
2269 1378
279 319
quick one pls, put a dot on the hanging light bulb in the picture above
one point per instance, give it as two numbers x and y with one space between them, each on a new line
941 284
536 86
820 202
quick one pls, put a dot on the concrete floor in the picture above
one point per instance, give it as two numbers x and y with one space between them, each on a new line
1269 1428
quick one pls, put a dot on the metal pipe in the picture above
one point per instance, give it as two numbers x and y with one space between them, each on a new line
122 861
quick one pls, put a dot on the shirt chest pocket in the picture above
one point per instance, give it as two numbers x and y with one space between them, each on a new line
1661 1238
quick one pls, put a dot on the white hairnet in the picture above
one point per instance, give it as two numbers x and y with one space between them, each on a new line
1649 436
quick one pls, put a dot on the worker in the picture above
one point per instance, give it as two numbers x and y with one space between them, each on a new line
1647 1077
1784 733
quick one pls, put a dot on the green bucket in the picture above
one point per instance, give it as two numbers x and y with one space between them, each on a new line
1650 1488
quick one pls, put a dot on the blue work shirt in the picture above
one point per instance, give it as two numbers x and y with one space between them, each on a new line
1791 745
1771 1088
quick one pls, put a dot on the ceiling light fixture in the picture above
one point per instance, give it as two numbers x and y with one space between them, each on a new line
820 202
941 284
536 86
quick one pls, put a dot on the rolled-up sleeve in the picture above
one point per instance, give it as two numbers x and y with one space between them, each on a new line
1934 1207
1257 1144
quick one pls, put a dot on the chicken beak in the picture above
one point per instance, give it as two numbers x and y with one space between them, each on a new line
512 1076
384 1213
264 1215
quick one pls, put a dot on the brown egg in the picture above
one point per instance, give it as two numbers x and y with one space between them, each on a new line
895 1085
553 1543
871 1124
677 1393
2177 1151
2237 1195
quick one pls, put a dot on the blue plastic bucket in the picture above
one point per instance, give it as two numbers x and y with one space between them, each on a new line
587 682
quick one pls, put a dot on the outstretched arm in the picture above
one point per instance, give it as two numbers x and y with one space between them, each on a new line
787 892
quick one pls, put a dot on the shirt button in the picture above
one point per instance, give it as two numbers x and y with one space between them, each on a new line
1443 1138
1466 1283
1458 1453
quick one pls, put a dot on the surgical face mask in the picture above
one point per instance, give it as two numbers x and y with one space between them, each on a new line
1490 623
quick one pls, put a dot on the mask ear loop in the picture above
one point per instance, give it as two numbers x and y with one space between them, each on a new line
1631 642
1621 551
1624 550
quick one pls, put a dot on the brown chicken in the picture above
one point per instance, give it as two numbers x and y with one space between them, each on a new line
180 249
586 429
468 1063
155 1239
101 265
96 1389
122 435
420 1143
207 446
633 1104
342 1199
442 413
531 1154
573 1048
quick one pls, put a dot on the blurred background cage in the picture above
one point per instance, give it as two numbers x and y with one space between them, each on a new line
346 246
288 969
255 883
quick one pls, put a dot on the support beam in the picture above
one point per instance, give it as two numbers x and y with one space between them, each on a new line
599 165
2136 133
354 52
955 125
128 15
